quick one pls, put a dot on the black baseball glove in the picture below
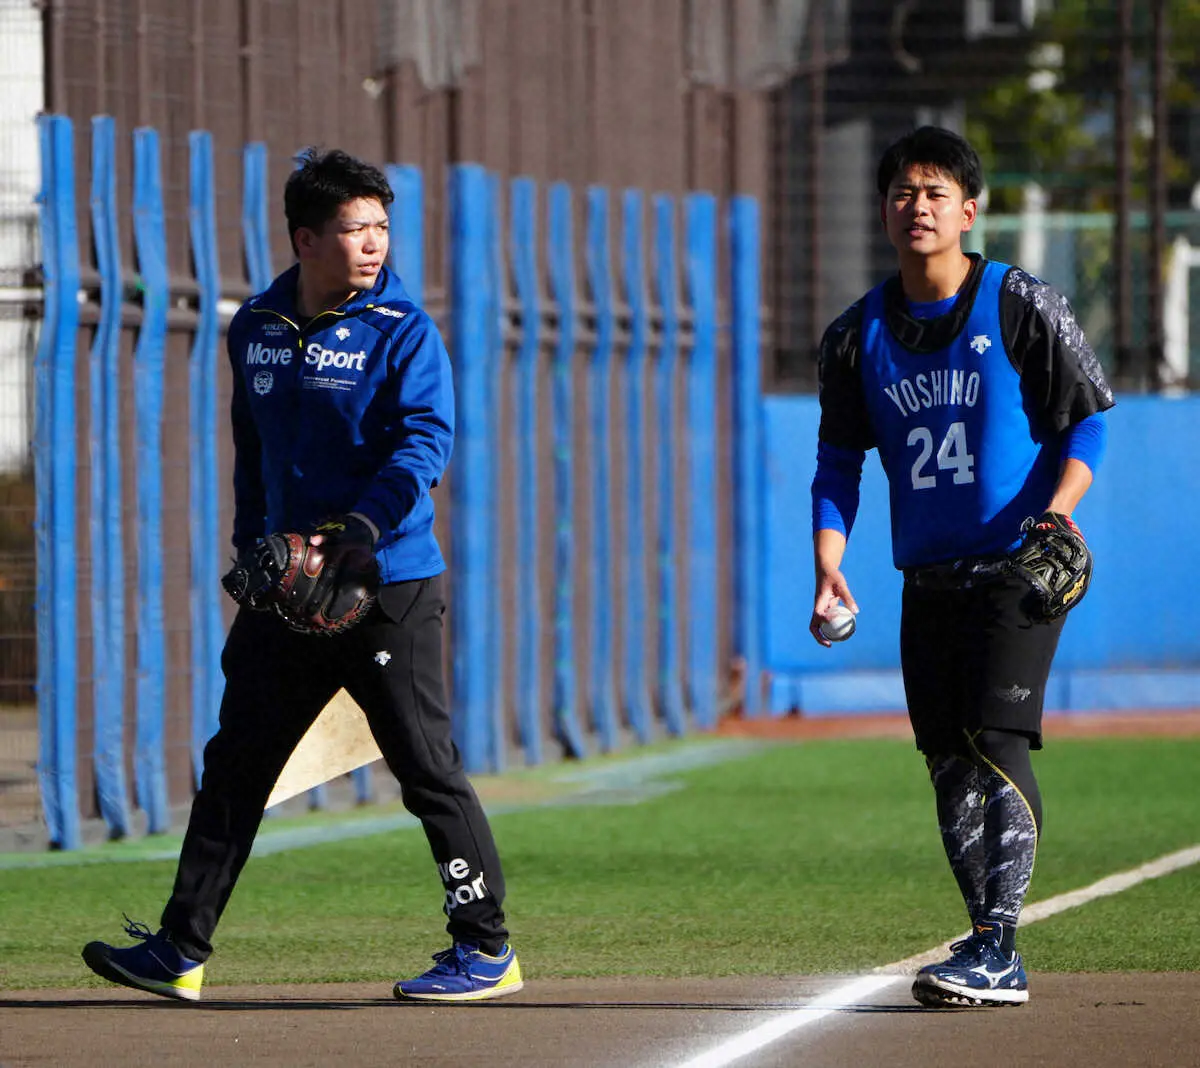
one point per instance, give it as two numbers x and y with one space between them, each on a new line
320 583
1056 562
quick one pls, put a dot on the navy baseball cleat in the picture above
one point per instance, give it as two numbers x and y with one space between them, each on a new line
464 973
978 973
154 964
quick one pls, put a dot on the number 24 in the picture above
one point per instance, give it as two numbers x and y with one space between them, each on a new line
952 455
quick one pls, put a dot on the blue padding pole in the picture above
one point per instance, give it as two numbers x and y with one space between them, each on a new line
700 214
561 258
599 267
748 499
204 497
636 690
108 561
256 238
54 473
150 239
528 630
670 696
470 331
406 216
497 292
256 227
43 455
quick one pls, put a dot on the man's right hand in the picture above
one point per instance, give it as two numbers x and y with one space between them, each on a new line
831 588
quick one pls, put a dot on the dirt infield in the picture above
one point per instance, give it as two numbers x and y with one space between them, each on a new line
1071 1021
1181 723
1107 1020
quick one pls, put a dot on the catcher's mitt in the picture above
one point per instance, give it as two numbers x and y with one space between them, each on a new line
317 585
1056 562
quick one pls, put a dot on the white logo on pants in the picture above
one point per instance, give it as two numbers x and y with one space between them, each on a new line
467 889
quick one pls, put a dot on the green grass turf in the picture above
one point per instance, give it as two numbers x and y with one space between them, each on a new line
819 857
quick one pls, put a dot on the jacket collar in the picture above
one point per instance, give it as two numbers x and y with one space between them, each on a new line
280 296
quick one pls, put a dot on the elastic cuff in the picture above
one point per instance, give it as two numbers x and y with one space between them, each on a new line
368 524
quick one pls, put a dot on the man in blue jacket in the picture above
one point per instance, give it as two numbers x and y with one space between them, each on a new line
343 409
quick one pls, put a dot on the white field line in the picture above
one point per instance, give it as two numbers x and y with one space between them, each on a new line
1106 887
846 996
739 1046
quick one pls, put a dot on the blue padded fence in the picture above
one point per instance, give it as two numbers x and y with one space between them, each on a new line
207 627
584 329
150 239
108 563
54 473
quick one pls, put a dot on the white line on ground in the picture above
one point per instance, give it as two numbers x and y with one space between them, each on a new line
1041 910
847 995
843 997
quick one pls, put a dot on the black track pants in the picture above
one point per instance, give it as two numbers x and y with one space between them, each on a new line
277 681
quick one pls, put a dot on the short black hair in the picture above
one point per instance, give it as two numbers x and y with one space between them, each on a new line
324 181
941 149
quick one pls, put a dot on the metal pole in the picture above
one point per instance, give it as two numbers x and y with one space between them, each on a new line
816 144
1158 192
1123 304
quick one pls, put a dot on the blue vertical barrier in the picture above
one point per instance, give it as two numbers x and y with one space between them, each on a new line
599 264
203 497
670 697
406 256
150 239
54 473
748 519
636 693
406 216
256 228
560 256
497 291
471 529
527 633
43 454
108 566
700 212
256 239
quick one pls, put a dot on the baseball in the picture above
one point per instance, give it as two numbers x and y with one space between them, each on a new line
840 624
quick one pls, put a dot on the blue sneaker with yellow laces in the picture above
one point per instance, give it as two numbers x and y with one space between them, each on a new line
464 973
978 973
154 965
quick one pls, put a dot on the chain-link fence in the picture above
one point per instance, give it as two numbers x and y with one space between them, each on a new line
1087 119
1086 116
21 61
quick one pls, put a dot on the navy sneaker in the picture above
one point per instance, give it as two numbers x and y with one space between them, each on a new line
978 973
154 964
464 973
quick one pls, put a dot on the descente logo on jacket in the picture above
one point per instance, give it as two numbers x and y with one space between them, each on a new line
316 354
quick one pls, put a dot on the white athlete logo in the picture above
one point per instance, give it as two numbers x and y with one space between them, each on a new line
382 657
342 332
981 343
1013 695
263 381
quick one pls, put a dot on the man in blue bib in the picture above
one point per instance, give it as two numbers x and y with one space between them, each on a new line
975 383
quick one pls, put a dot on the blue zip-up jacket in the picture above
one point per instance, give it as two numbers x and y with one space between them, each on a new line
352 411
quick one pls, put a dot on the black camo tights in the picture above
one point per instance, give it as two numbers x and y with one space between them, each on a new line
990 816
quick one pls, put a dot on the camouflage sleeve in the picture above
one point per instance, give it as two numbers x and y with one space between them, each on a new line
1061 377
845 422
